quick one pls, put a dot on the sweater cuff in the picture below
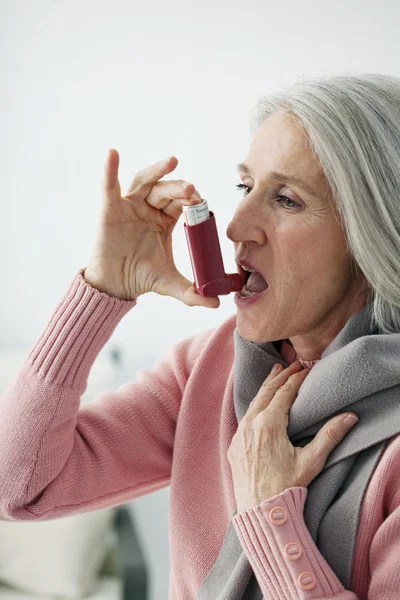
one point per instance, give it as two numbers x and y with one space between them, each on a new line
286 561
80 326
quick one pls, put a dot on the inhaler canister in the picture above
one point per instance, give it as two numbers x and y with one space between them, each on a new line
205 253
196 213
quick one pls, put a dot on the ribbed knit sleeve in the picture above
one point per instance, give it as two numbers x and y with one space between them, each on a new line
287 563
80 326
59 458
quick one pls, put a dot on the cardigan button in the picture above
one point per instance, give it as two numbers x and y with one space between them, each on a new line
306 580
277 515
293 551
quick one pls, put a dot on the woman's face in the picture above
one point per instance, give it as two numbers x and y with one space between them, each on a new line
296 241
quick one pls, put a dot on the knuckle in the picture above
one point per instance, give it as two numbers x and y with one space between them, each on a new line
139 177
288 385
332 435
292 381
270 385
293 378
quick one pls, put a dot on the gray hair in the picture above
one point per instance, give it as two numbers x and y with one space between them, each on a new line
353 125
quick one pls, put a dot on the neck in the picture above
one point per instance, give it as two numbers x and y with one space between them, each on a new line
309 347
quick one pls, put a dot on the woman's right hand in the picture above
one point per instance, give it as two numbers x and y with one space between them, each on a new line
133 249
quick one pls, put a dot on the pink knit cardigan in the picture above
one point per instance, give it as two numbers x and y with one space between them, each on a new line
172 425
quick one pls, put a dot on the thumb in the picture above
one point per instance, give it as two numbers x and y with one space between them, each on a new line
327 438
182 289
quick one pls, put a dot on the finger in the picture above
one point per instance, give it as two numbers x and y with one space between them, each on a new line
283 372
110 183
169 196
287 393
181 288
278 368
328 437
269 388
146 178
175 207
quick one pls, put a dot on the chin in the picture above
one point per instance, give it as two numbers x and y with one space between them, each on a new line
251 332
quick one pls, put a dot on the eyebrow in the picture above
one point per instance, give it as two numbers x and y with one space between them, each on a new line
280 177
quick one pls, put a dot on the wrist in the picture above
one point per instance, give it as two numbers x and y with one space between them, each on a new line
99 284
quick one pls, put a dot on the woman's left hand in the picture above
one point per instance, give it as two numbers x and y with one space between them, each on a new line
263 460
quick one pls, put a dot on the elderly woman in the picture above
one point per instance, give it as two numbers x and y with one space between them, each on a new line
275 492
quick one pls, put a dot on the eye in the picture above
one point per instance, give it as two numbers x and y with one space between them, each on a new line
281 198
246 188
294 204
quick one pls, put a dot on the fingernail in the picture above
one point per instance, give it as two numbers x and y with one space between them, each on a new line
185 185
275 369
349 420
194 196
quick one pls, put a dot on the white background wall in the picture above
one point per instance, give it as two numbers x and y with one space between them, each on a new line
150 79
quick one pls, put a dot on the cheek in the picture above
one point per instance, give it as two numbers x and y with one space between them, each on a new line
308 254
299 241
294 246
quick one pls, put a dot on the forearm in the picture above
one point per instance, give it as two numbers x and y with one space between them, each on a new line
39 407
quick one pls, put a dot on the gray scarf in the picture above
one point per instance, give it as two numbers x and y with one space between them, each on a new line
359 371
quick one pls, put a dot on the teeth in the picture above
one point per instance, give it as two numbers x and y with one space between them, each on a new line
249 270
246 292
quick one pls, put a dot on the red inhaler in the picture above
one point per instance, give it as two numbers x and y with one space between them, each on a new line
205 253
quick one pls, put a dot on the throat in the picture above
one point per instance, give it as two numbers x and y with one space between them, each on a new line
288 353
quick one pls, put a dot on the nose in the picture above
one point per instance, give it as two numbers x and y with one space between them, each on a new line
231 232
246 226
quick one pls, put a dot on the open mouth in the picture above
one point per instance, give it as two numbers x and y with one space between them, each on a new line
254 283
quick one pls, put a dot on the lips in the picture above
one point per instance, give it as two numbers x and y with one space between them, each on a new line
245 274
254 282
